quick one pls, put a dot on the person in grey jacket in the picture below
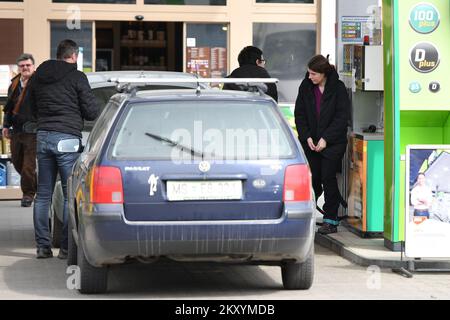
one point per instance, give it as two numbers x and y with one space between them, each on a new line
61 100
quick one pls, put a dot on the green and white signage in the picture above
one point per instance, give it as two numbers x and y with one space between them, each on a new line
424 18
423 55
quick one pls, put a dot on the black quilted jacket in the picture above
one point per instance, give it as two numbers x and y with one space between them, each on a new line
61 97
252 71
334 115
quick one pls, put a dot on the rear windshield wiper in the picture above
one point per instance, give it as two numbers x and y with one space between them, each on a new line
191 150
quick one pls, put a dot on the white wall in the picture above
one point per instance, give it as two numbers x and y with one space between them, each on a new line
327 25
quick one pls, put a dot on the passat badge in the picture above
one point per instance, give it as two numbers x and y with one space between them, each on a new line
204 166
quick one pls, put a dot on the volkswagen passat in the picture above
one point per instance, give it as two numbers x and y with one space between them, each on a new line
191 175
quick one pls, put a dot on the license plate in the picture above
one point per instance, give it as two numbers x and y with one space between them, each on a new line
204 190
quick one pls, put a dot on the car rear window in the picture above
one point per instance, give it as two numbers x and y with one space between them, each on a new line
103 94
212 130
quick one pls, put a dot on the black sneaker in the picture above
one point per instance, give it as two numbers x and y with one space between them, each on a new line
327 228
62 254
44 253
26 202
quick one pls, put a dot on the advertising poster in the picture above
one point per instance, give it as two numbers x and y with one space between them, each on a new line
199 61
218 62
424 48
427 213
357 183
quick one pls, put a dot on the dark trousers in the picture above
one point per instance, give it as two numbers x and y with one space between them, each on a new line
324 180
23 157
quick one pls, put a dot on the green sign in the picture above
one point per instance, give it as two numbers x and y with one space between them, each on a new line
424 18
424 57
423 54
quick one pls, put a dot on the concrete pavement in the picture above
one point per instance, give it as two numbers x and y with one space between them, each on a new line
22 276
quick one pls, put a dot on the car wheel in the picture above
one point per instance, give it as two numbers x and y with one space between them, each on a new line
56 228
298 276
92 279
72 246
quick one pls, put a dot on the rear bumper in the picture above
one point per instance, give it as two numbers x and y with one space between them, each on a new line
109 239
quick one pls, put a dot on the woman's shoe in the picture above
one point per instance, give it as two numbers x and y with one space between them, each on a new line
327 228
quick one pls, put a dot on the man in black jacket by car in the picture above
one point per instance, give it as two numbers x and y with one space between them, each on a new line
251 65
61 99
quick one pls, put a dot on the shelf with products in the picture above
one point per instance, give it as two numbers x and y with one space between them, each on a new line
7 192
9 179
144 45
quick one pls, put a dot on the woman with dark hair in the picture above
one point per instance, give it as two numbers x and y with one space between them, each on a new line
322 113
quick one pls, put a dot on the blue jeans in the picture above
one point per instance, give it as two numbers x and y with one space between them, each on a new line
50 162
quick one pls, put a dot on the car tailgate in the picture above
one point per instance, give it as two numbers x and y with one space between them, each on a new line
251 190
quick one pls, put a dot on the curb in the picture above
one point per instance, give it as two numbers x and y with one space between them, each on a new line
408 264
339 248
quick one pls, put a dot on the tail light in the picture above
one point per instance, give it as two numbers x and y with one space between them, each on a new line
106 185
297 183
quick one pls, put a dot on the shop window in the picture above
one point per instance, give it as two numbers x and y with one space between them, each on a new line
82 36
206 46
189 2
147 46
284 1
287 49
97 1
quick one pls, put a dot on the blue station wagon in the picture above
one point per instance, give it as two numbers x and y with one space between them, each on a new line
191 175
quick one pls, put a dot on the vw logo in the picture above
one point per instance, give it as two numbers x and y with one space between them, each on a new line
204 166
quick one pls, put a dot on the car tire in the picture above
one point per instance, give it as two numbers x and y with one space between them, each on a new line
92 279
298 276
56 228
72 246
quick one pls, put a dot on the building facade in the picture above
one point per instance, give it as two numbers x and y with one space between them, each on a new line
203 36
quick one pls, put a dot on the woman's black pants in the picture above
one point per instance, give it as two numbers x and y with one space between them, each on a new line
324 180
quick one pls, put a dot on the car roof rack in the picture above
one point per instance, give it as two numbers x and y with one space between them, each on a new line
130 85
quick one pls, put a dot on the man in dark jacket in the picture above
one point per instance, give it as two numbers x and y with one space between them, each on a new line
61 98
251 65
19 117
322 113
